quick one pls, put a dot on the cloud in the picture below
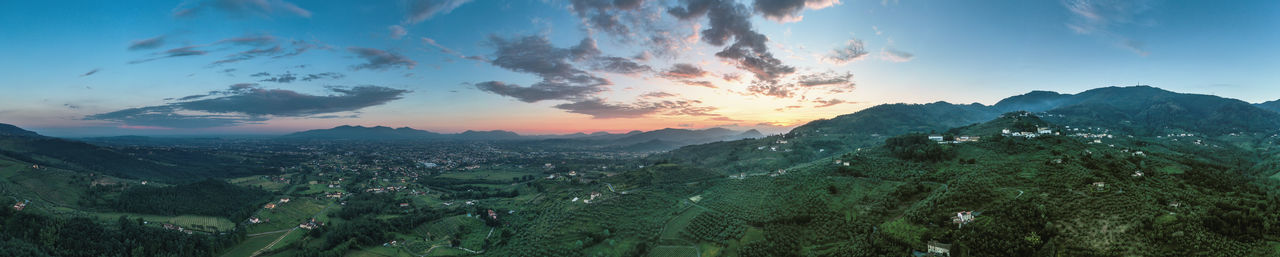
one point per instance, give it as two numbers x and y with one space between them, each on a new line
240 8
91 72
289 77
539 91
789 10
684 71
249 54
893 55
828 102
397 31
249 40
852 50
144 44
599 109
701 83
828 78
657 95
450 51
246 103
561 79
729 19
619 65
830 81
380 60
421 10
171 53
1106 17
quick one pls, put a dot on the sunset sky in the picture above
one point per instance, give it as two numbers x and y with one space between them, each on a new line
220 67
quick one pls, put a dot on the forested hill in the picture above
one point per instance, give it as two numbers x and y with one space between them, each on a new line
1137 110
175 164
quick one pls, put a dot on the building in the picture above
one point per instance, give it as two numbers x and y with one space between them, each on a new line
20 205
936 138
284 200
270 206
939 249
964 217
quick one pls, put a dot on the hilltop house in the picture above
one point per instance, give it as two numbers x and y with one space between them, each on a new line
962 218
493 215
20 205
936 138
270 206
284 200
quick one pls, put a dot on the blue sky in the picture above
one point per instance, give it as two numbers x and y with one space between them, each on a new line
85 68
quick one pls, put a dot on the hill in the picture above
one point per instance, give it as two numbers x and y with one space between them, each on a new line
1273 105
174 164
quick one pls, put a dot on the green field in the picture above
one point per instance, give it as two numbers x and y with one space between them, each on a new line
504 175
186 221
674 251
258 181
250 245
287 215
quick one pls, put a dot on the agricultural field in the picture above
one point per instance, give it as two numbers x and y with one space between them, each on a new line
288 215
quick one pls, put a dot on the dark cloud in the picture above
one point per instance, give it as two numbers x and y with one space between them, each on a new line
828 102
91 72
731 77
852 50
539 91
240 8
287 77
894 55
246 103
324 75
171 53
701 83
657 95
250 40
380 60
421 10
249 54
732 20
450 51
829 78
260 74
561 79
599 109
619 65
788 10
684 71
150 43
605 15
773 89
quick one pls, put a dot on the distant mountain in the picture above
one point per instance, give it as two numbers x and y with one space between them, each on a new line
662 139
11 130
364 133
175 165
1270 105
1035 101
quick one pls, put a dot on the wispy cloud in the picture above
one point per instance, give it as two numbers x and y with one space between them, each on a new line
240 8
1106 17
852 50
149 43
91 72
380 60
421 10
894 55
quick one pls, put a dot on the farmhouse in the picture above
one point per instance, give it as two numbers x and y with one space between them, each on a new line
939 249
962 218
270 206
19 206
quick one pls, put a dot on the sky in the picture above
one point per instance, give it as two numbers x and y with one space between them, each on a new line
243 67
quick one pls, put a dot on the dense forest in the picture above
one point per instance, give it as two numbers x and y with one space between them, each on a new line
209 197
28 235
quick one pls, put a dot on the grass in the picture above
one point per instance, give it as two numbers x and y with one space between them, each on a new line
491 175
258 181
186 221
286 215
904 232
250 245
677 225
674 251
